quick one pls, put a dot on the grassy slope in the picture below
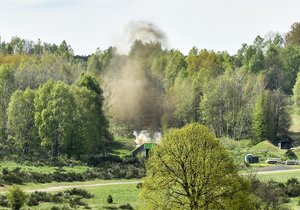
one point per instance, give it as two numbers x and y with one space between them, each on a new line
294 130
121 146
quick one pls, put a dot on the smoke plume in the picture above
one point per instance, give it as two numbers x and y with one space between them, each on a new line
136 97
146 32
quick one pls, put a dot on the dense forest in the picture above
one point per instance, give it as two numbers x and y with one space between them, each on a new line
56 103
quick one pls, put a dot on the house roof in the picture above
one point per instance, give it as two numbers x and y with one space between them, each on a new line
145 146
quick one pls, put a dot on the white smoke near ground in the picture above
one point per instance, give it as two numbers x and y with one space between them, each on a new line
146 137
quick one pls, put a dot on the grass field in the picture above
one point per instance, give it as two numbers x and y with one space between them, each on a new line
41 169
122 193
279 176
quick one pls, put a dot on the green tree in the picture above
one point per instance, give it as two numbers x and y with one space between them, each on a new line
271 117
276 77
21 126
296 95
190 169
90 82
175 63
54 115
290 56
227 104
179 105
94 64
16 197
293 36
7 86
87 136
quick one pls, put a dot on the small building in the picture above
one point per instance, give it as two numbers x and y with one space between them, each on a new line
285 145
143 150
285 142
251 159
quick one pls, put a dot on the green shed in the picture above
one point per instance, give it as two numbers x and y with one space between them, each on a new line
143 150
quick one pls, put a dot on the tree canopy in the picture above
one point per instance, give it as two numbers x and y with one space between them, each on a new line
190 169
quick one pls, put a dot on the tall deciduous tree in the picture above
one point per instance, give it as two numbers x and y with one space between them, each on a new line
90 82
296 95
293 36
7 87
227 104
190 169
271 118
21 126
54 115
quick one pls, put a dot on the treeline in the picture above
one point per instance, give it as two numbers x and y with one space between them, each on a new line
52 102
49 104
247 95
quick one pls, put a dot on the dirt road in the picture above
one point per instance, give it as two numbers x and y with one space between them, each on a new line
63 187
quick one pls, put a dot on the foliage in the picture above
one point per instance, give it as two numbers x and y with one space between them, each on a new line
16 197
3 201
293 36
271 193
21 126
73 197
291 154
79 99
227 104
174 181
109 199
271 117
296 96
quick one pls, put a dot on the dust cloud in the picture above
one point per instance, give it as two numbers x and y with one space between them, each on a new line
136 98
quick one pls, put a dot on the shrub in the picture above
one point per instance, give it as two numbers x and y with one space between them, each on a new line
76 202
127 207
292 187
109 199
16 197
15 176
3 201
58 208
36 197
80 192
139 185
271 193
291 154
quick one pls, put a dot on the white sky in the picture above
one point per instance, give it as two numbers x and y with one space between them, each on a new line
88 24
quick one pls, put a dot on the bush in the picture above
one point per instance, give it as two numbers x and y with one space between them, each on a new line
76 202
36 197
3 201
58 208
16 197
127 207
16 176
291 154
139 185
109 199
271 193
79 192
293 187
